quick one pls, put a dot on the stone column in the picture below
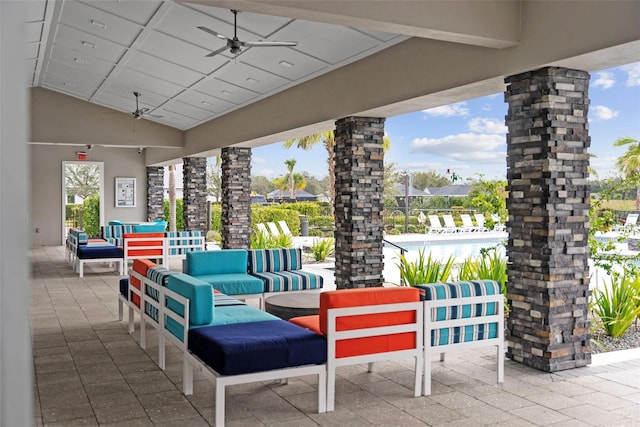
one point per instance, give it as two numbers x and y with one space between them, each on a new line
236 200
359 171
548 203
155 192
194 194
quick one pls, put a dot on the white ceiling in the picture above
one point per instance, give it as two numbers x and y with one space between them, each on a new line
103 51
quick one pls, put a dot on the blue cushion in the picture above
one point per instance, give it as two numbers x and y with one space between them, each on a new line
234 283
461 290
124 286
99 250
199 294
228 310
116 222
290 280
257 346
292 258
182 238
216 262
149 228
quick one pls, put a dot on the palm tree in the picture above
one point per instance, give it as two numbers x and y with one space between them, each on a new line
328 140
629 162
291 163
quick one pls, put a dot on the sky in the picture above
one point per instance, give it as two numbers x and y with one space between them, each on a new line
468 138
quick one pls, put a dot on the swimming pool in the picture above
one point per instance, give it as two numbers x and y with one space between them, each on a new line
441 248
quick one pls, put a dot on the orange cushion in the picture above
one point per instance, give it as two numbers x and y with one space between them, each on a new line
140 266
369 296
308 322
146 243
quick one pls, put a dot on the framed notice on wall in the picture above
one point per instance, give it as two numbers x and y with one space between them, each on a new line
125 192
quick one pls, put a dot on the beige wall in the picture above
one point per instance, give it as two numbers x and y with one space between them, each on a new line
46 187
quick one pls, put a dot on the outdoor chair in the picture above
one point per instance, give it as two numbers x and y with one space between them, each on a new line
262 229
629 225
285 228
480 221
273 228
450 224
435 225
467 224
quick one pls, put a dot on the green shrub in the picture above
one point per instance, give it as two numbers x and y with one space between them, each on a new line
489 265
618 306
264 214
91 215
322 248
216 217
310 209
214 236
179 214
424 270
262 241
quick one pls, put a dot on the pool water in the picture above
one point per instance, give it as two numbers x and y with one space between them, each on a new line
459 249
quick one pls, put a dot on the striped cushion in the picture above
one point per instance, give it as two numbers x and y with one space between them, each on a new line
159 275
274 260
461 290
290 280
115 233
80 235
181 238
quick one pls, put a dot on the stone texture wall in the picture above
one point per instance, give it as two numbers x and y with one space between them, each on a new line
548 203
194 198
358 204
236 201
155 192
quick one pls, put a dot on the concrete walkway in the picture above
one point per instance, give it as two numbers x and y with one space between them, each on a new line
90 371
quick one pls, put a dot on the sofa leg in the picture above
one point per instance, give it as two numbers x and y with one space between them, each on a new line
220 389
161 352
120 310
187 377
426 385
322 392
331 387
131 320
370 367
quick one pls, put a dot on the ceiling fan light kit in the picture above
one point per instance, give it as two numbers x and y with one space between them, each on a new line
235 45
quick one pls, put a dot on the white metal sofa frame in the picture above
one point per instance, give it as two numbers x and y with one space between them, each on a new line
334 336
78 263
222 381
430 324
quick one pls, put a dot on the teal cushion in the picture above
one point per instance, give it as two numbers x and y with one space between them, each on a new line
223 261
199 294
234 283
261 260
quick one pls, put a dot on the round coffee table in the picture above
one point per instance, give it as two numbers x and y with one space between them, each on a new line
289 305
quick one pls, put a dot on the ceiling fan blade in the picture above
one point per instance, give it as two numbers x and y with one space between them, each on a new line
143 110
155 116
215 52
267 43
213 33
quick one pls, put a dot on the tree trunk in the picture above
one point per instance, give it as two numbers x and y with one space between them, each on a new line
638 199
332 177
172 198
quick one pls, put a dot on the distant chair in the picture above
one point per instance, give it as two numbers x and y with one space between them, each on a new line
629 225
262 229
285 228
499 226
435 225
467 224
274 230
450 224
480 221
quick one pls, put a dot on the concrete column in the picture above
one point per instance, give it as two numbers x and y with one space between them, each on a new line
359 171
236 200
194 194
155 192
16 356
548 203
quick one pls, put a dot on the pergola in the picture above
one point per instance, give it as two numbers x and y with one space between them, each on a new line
428 53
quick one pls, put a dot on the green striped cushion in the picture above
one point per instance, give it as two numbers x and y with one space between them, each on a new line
461 290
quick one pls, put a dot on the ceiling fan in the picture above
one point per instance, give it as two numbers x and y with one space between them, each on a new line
141 112
235 45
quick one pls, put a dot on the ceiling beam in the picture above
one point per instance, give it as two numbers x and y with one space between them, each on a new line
491 23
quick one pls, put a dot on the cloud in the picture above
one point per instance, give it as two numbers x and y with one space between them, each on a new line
484 125
604 79
468 147
259 160
633 74
604 113
269 173
457 109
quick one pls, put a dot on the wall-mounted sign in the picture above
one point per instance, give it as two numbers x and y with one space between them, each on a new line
125 192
